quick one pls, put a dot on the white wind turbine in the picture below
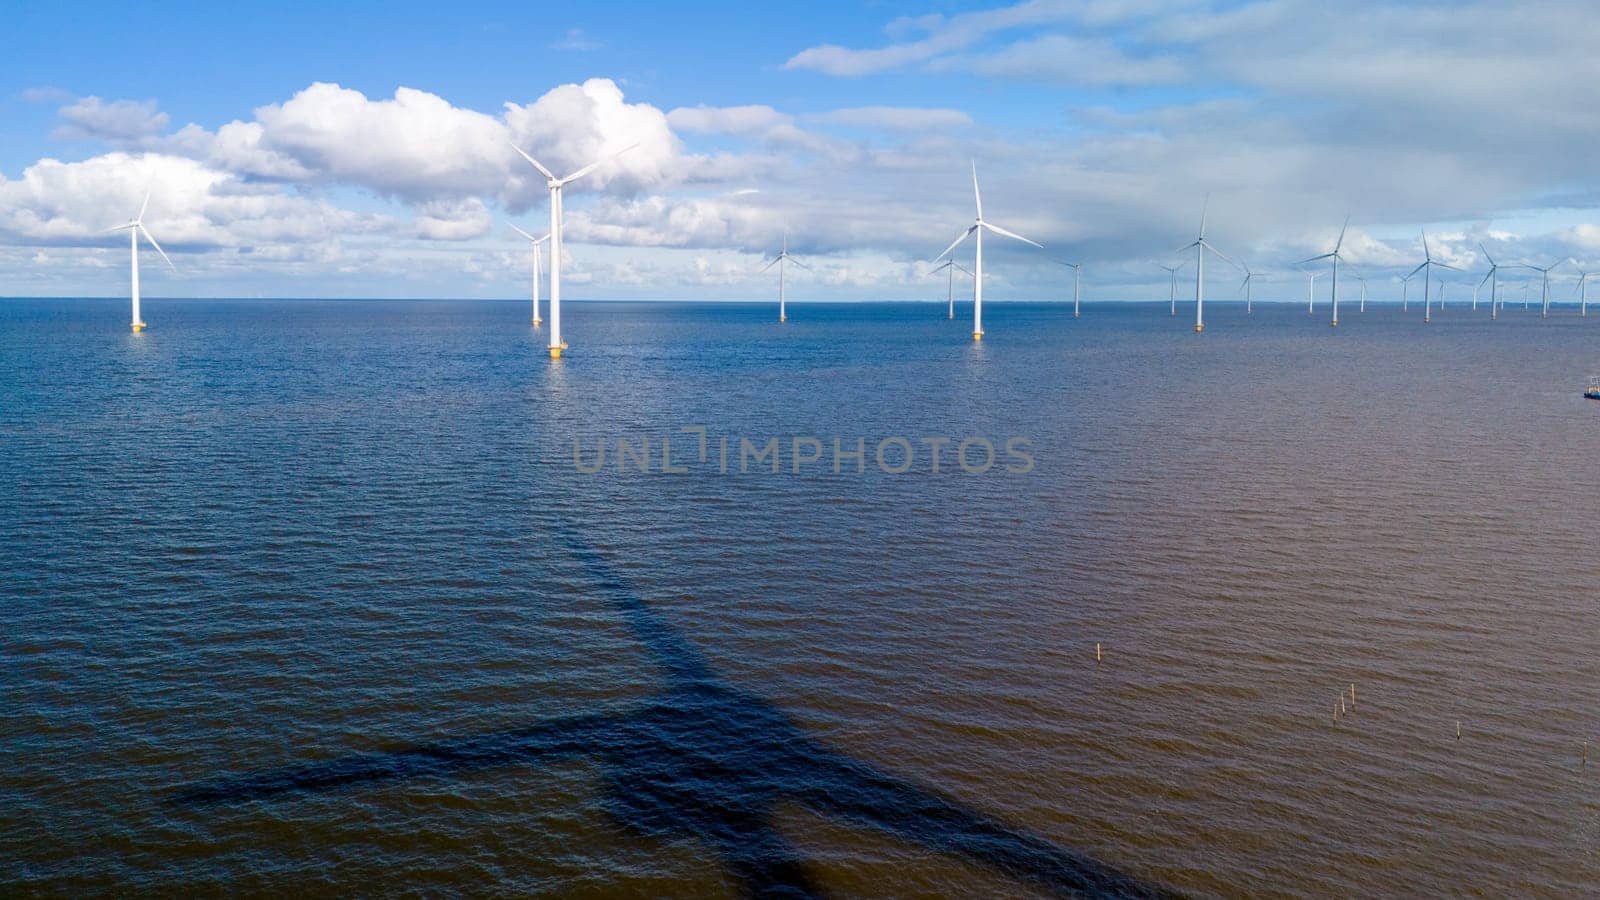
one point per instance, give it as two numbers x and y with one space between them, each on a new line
1544 287
951 267
135 226
1311 290
1249 276
1427 267
1077 281
1173 291
1583 289
556 221
1200 246
1336 257
536 242
1494 283
978 227
1363 292
780 261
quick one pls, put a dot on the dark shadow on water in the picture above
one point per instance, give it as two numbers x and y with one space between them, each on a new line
707 760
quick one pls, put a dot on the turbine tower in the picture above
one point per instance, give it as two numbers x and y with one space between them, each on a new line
780 260
536 242
1493 277
135 227
1336 257
951 267
1200 246
1363 292
1173 292
1077 282
1427 267
978 227
1311 291
1249 276
1583 289
556 220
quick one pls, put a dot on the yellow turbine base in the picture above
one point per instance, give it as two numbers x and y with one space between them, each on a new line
783 318
1199 328
555 352
977 335
537 322
138 327
1336 323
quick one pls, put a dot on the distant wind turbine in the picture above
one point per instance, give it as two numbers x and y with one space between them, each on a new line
535 242
1311 290
1493 277
1249 276
1336 257
951 267
135 227
1427 267
556 221
1544 286
1200 246
780 260
1077 282
1583 288
1173 292
1405 293
1363 292
977 227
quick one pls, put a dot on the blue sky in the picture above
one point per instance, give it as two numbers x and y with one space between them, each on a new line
360 149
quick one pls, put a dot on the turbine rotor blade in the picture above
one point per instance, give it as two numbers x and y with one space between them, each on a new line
142 207
1313 259
977 197
1204 207
151 238
769 265
597 164
1340 244
1011 234
523 233
961 268
1416 270
797 262
955 243
536 164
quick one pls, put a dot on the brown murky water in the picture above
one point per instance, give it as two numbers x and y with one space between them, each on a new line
311 596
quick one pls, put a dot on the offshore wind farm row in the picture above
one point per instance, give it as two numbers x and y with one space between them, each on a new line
947 264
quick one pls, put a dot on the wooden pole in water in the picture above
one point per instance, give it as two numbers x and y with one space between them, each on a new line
1097 653
1458 729
1341 702
1352 695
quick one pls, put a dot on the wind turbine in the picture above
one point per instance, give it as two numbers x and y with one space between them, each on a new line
779 261
1249 276
1077 281
1363 292
1525 296
1428 264
977 227
536 242
1173 293
1493 277
1336 258
1201 245
1405 293
1583 288
556 222
1311 291
135 226
1544 287
951 267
